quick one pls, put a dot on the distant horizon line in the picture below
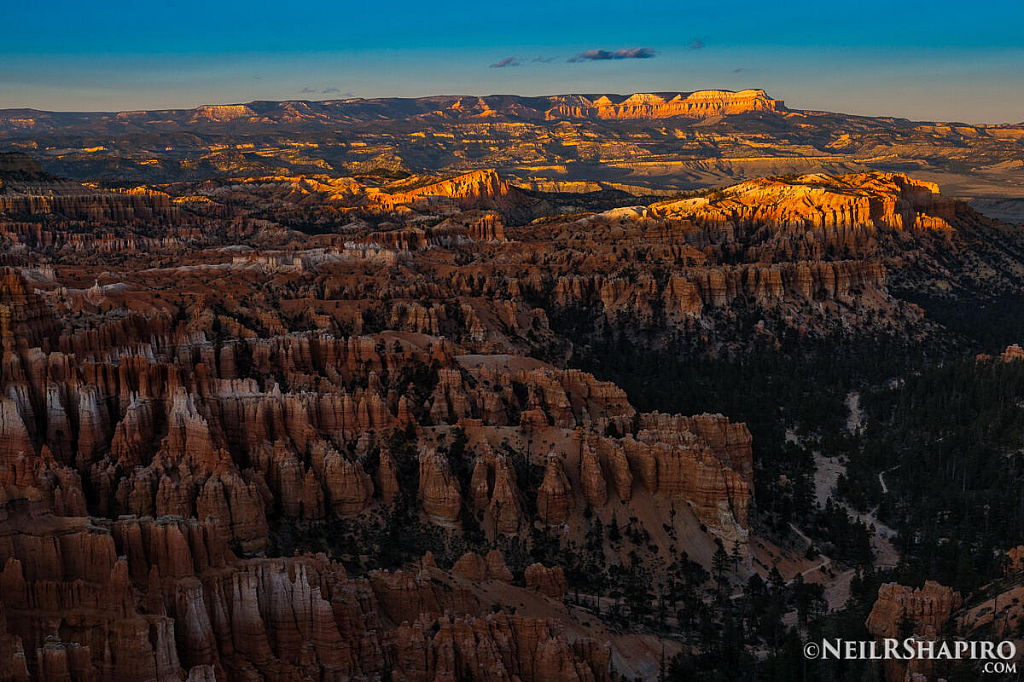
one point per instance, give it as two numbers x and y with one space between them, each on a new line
589 95
393 97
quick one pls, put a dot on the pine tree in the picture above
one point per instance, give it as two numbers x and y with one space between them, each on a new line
775 581
905 626
613 529
719 564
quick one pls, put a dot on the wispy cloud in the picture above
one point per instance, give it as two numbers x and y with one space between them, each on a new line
602 55
325 91
504 63
543 60
697 45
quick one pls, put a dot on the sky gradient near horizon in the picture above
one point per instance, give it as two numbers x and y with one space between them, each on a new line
926 61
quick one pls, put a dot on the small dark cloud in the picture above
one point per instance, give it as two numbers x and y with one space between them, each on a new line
602 55
506 62
326 91
739 70
543 60
697 45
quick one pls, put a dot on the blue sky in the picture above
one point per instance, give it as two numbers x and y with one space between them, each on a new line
934 60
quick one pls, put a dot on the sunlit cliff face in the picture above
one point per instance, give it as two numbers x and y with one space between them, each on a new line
701 104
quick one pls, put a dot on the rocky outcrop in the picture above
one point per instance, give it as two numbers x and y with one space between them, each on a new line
18 162
471 566
1015 560
694 292
548 581
812 216
349 488
484 645
705 460
927 608
496 567
554 497
700 104
64 567
387 479
178 604
36 195
492 488
477 568
595 488
720 287
505 506
924 611
476 190
25 319
439 491
1012 352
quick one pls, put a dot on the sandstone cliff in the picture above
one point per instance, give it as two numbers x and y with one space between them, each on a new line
700 104
927 608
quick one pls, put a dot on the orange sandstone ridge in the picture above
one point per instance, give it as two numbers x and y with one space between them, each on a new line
926 610
700 104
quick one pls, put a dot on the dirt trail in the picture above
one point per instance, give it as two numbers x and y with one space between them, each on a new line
828 470
856 417
826 477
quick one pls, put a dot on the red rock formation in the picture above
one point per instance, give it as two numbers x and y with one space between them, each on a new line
554 497
814 215
505 506
928 608
404 597
312 505
349 488
700 104
387 478
496 647
705 460
479 486
25 320
439 491
595 489
1012 352
478 189
214 616
549 581
471 566
496 567
13 664
476 568
1015 560
73 201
